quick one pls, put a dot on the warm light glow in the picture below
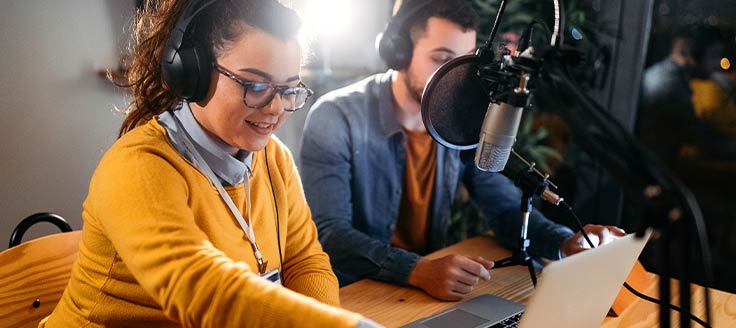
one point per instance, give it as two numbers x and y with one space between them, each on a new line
725 64
326 18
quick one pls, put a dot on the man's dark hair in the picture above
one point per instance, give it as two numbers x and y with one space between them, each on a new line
460 12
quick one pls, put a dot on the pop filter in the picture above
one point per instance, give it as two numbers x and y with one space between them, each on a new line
454 103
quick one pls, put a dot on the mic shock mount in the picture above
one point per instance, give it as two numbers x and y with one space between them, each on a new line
503 77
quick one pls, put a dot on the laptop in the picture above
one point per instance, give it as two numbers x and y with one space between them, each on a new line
576 291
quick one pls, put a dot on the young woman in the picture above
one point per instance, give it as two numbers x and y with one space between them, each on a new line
196 216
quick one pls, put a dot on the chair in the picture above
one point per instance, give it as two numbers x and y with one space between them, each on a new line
17 236
34 274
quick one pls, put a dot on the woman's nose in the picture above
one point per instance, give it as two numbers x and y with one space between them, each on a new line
276 107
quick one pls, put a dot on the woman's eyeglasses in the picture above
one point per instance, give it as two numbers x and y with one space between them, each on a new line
259 94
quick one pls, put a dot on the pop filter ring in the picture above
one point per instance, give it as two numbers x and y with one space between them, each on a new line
468 111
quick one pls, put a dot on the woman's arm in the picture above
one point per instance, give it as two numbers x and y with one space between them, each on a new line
141 201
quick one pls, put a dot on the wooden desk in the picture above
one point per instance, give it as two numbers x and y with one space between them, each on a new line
395 306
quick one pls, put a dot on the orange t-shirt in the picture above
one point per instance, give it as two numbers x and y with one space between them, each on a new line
416 199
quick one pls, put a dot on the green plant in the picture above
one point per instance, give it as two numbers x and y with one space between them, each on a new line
579 15
582 31
467 219
529 144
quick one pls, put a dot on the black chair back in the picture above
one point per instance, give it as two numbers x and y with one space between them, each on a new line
17 236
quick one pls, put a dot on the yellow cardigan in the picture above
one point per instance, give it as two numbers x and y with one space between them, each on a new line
160 247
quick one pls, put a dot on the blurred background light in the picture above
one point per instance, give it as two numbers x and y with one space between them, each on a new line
725 64
327 19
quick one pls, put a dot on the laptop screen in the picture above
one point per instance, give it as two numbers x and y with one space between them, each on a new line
576 291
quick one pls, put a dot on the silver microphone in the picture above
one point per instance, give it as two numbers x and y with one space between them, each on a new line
500 125
497 136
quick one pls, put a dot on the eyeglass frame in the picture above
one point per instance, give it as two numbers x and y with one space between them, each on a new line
275 88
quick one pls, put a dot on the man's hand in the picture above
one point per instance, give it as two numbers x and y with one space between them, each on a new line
451 277
598 234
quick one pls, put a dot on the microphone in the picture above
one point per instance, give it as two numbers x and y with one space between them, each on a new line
497 136
500 126
457 114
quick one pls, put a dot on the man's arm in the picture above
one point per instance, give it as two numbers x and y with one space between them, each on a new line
326 157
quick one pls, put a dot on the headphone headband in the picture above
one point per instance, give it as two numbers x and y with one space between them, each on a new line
186 64
403 14
180 29
393 46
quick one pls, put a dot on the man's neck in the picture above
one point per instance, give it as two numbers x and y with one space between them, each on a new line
408 109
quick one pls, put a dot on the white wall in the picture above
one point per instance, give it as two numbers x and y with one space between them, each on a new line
56 114
350 47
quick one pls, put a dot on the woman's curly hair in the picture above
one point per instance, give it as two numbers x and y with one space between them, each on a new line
216 26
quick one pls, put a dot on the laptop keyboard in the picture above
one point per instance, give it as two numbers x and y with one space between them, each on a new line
510 322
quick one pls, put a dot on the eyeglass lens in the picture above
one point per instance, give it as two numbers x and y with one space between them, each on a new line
260 94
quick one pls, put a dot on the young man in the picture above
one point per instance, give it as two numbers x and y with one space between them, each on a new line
381 189
667 117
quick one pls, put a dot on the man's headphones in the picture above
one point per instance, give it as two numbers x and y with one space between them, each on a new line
186 64
395 45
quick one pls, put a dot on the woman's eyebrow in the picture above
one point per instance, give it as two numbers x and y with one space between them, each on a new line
266 75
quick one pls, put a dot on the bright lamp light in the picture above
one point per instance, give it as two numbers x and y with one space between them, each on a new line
326 18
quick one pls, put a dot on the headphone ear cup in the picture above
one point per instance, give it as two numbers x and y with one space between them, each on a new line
395 50
384 47
188 75
403 48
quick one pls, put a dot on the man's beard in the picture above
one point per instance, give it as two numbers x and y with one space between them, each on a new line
413 86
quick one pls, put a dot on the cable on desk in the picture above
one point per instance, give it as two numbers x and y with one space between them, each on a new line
579 225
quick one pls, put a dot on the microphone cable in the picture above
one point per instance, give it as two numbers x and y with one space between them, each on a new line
579 225
276 206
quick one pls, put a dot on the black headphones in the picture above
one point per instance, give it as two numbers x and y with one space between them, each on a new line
186 64
395 45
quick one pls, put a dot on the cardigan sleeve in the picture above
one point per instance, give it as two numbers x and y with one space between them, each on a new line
140 201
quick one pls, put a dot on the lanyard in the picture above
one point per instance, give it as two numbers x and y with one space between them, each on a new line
247 228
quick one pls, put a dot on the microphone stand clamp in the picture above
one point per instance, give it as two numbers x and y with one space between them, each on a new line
532 184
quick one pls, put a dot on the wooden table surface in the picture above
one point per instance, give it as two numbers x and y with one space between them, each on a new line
394 306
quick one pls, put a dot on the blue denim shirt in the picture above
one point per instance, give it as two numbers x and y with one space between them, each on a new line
353 155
